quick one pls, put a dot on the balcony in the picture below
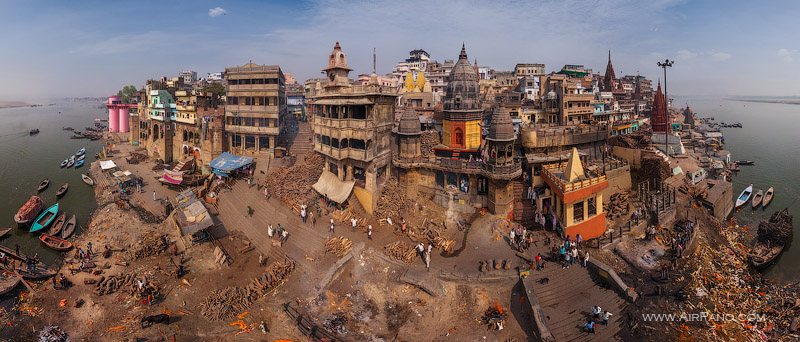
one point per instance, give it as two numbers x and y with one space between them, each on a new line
245 110
343 123
185 108
252 87
344 153
191 120
503 172
251 130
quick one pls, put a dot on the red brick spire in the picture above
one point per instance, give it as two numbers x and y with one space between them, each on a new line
609 79
659 118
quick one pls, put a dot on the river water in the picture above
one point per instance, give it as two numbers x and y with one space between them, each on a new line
27 159
770 136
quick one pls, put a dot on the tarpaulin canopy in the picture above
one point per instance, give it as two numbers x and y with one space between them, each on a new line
170 180
107 164
329 185
226 162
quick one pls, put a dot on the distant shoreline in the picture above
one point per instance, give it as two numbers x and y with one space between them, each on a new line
16 104
779 101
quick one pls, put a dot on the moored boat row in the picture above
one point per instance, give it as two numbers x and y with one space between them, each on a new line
760 198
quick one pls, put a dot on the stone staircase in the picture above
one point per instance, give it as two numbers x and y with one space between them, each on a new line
524 212
567 298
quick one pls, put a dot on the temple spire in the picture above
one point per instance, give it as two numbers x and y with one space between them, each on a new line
463 54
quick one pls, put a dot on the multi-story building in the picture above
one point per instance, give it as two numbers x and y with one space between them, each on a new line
529 69
463 172
566 100
198 126
255 108
352 130
214 76
188 76
160 117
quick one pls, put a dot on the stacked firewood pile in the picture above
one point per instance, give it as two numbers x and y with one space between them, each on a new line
431 232
428 141
636 140
293 184
654 168
338 245
150 244
109 285
617 205
344 216
393 200
778 230
400 251
136 158
226 303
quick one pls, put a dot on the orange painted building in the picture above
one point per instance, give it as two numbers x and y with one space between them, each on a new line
578 199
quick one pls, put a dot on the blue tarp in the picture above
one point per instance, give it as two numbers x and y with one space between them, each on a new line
226 162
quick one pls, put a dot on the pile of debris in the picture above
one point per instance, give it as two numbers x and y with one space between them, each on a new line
428 141
150 244
635 140
400 251
226 303
293 184
778 230
136 158
393 200
617 205
53 334
338 245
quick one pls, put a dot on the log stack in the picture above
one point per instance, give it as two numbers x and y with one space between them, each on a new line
393 201
617 205
428 141
293 184
778 230
400 251
150 244
338 245
226 303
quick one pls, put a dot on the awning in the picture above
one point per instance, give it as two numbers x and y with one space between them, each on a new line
170 180
227 162
193 218
330 186
107 164
343 102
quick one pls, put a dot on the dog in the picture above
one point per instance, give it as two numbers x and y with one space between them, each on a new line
543 281
150 320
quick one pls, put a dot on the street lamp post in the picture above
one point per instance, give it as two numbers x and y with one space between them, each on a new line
664 65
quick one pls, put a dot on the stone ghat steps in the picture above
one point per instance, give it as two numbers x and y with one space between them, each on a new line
567 298
523 208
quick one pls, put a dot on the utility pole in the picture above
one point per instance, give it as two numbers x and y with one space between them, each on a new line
664 65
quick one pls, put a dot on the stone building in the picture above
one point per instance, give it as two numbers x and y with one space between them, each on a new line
199 122
463 173
352 130
160 116
255 108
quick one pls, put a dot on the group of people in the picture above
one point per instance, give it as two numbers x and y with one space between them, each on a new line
597 314
82 257
520 238
569 252
31 262
61 282
425 254
280 233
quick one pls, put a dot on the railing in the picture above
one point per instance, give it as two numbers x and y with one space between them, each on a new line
565 186
251 129
253 87
343 123
250 108
346 152
509 171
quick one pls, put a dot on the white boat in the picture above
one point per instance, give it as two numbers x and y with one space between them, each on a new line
71 161
81 151
745 196
81 157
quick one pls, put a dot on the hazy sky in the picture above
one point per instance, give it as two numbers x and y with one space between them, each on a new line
93 48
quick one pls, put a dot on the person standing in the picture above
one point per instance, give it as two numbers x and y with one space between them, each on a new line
303 212
270 231
606 316
354 222
596 311
369 232
313 219
574 257
284 236
154 196
585 257
590 326
538 259
331 230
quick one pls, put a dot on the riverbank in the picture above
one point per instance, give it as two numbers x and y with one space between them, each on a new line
16 104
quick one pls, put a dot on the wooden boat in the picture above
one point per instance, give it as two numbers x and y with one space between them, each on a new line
45 218
757 198
82 157
69 227
12 253
8 283
71 161
62 190
64 162
744 196
34 131
43 185
4 231
771 239
745 162
55 243
42 272
57 225
81 152
68 128
79 163
29 210
767 197
86 179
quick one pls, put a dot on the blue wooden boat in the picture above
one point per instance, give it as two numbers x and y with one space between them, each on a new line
45 218
81 152
82 157
79 163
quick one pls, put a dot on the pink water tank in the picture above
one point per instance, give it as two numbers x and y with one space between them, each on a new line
113 119
124 116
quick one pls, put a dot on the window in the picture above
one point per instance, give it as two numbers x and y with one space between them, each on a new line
263 143
439 179
483 185
459 137
577 212
592 207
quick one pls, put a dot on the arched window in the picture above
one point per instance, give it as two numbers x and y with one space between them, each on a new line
185 135
459 136
155 132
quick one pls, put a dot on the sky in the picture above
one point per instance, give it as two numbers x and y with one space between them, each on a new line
55 49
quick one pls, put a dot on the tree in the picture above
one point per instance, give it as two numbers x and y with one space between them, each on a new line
215 88
126 93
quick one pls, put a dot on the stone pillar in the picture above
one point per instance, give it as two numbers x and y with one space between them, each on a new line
349 175
501 197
